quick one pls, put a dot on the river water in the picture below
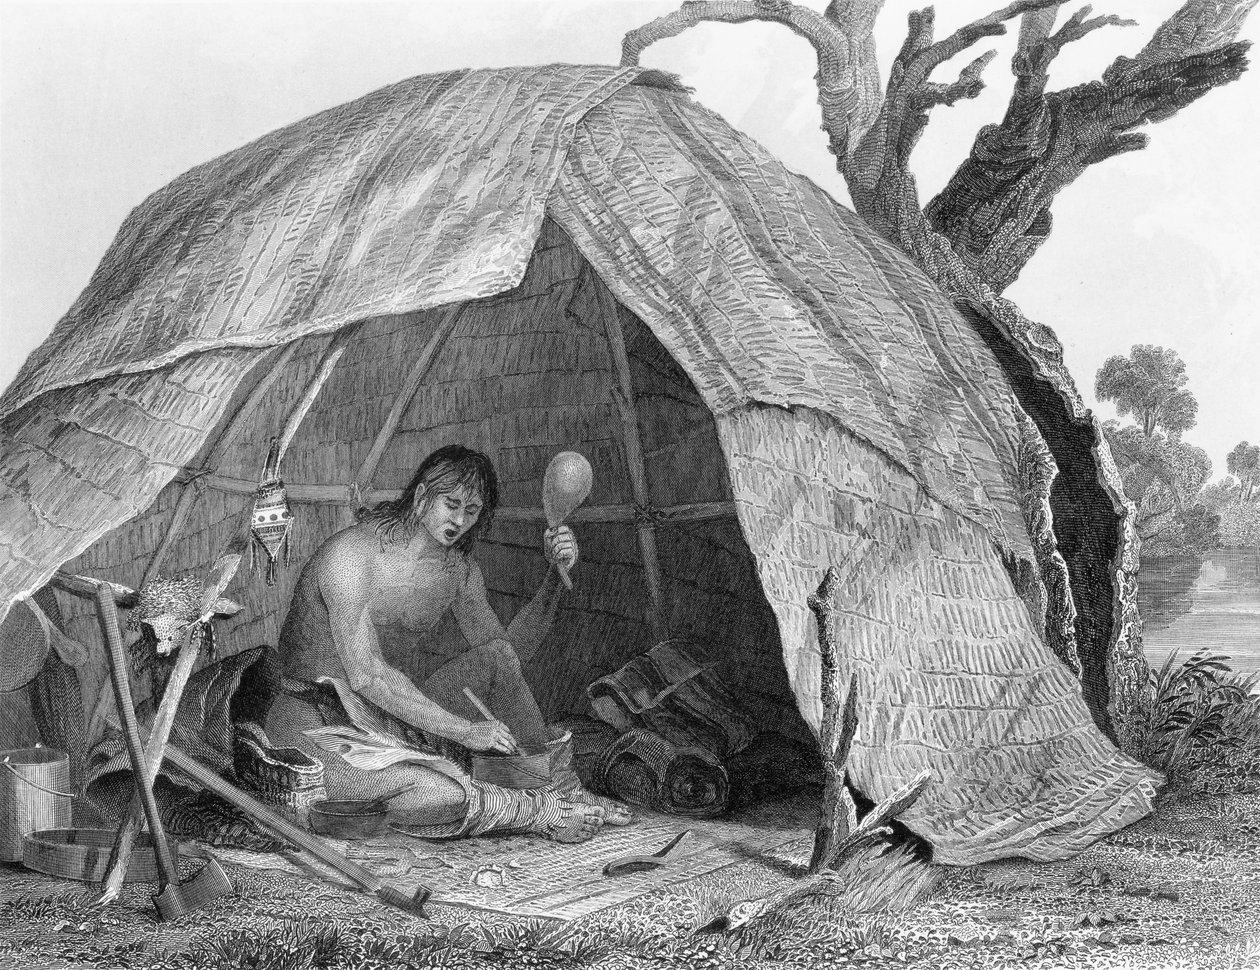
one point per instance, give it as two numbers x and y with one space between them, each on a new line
1210 604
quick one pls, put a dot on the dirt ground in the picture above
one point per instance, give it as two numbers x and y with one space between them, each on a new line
1180 890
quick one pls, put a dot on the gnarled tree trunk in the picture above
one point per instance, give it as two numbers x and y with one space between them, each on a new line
975 237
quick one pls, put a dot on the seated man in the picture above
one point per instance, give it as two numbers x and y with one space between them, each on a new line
387 582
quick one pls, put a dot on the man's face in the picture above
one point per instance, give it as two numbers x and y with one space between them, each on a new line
451 514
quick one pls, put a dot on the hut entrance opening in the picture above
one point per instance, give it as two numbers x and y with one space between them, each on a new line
554 364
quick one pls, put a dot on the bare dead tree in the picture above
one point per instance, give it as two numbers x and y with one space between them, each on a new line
976 236
995 211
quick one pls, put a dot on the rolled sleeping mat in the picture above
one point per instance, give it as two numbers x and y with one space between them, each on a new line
642 768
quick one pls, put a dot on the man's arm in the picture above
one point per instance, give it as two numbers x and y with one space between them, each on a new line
531 624
480 624
347 586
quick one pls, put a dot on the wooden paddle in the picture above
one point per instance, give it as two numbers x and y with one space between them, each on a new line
566 485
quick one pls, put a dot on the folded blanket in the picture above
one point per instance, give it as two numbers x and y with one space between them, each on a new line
673 691
644 769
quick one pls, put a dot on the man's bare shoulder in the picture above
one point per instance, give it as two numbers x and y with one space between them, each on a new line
355 550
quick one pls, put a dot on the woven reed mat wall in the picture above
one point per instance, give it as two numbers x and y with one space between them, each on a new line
522 376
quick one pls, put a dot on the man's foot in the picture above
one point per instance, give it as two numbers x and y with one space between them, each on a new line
565 782
615 813
538 811
566 820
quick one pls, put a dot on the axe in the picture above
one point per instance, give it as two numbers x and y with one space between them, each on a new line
173 899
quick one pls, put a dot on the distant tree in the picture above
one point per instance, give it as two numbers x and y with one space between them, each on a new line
1240 525
1224 492
1150 384
1244 463
1163 478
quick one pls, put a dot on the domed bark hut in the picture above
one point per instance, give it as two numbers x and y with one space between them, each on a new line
548 258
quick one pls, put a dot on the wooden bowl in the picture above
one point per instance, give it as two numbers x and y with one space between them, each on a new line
83 854
351 819
521 771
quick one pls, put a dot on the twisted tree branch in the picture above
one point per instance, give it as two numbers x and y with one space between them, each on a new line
882 187
842 37
995 211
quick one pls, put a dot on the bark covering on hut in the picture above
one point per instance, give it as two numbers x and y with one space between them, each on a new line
536 259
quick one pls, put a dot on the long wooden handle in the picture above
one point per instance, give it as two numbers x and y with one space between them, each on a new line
107 613
270 820
486 713
560 567
476 702
154 754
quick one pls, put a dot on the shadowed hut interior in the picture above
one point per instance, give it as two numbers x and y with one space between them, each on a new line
555 363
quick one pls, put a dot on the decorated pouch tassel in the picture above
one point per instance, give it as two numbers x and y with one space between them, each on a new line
272 520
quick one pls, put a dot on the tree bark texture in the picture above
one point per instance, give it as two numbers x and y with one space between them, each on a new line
995 211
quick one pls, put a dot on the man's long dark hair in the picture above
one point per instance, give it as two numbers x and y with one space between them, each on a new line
441 473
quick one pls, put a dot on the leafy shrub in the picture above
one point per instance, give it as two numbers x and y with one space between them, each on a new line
1200 725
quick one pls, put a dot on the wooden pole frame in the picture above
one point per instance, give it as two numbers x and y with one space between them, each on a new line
632 442
327 363
344 494
194 484
451 317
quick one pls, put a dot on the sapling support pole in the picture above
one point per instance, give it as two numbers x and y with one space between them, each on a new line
444 328
632 442
839 724
194 484
327 364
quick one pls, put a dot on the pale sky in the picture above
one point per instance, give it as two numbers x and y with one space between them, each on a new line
103 103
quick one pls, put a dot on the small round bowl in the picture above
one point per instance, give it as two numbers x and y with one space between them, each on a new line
348 819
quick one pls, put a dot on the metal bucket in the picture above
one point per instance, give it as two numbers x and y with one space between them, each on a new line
34 794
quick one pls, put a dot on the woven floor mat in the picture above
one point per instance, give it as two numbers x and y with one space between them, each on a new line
529 876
